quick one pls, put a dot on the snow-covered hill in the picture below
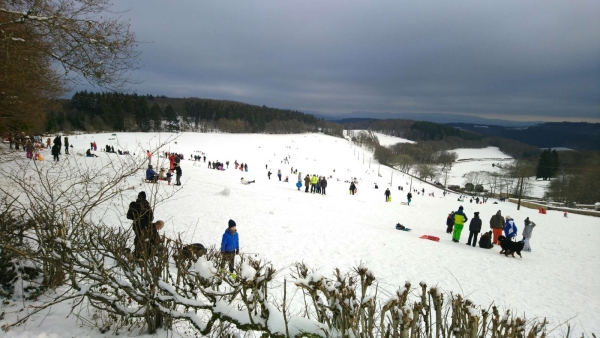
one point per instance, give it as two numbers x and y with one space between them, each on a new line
279 223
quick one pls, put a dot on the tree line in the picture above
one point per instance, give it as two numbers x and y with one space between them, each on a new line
114 111
445 137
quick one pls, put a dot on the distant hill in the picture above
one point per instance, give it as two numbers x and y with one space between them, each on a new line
353 120
574 135
428 117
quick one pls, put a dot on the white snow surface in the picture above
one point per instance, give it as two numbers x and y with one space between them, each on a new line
482 153
277 222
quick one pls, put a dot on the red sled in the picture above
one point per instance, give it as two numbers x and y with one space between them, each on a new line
431 238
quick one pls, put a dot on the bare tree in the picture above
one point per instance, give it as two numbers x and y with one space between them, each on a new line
90 42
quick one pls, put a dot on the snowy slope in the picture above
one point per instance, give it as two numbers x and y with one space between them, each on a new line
284 225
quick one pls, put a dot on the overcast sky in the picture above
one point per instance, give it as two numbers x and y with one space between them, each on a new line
509 59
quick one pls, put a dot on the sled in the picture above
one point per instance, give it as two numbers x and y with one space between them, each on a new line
389 199
298 185
431 238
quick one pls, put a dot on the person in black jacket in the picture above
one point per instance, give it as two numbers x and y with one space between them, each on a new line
58 142
323 186
450 223
140 212
178 174
387 194
408 198
474 229
55 152
352 188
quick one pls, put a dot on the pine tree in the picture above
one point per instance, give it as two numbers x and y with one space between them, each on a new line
171 117
554 163
543 165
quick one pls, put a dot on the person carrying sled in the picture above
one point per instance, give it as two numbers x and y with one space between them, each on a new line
459 222
230 245
387 194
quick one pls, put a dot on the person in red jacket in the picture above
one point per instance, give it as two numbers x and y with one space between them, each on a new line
171 161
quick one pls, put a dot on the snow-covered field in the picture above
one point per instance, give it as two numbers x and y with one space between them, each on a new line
279 223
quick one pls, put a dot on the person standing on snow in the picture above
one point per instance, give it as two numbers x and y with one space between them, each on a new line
313 183
459 222
230 245
352 188
510 229
474 229
387 194
269 174
529 225
55 152
408 198
140 212
306 182
323 186
450 222
279 174
497 224
66 145
177 174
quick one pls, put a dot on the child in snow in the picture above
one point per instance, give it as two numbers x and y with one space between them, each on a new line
230 245
529 225
450 222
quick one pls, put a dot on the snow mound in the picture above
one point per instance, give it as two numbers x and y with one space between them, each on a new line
225 192
248 272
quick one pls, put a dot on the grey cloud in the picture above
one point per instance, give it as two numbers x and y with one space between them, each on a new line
512 58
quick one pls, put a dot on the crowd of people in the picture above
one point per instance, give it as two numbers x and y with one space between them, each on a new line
316 184
499 226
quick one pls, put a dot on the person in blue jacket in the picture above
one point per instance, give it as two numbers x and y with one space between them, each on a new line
510 229
151 175
230 245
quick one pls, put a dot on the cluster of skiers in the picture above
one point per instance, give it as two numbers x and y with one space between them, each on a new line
499 226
